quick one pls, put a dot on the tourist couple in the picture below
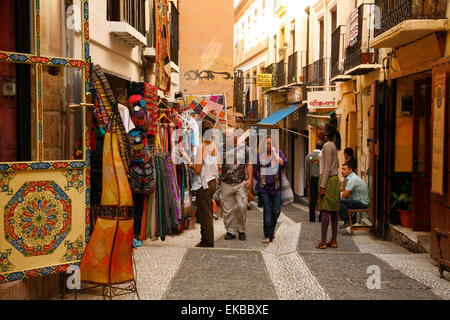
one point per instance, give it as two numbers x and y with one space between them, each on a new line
236 177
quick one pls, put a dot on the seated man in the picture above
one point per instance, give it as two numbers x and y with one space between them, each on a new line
355 194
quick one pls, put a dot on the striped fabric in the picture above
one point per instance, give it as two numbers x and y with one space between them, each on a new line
104 113
354 17
151 99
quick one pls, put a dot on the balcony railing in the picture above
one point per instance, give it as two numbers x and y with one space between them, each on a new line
174 33
271 69
358 51
316 73
252 110
238 92
292 68
280 74
394 12
296 62
337 44
130 11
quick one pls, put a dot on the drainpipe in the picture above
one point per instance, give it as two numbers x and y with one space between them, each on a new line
307 11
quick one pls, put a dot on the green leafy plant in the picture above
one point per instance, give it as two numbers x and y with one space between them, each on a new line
403 200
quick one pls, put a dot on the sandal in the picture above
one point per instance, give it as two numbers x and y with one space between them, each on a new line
332 244
322 245
267 240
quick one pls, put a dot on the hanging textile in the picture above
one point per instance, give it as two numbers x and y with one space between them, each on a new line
354 27
159 227
151 213
142 178
151 98
143 228
138 208
105 109
168 202
174 186
162 63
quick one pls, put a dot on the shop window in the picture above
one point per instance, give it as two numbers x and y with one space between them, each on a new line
63 122
18 117
60 28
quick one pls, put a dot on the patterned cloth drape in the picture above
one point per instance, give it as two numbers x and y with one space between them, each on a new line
104 110
162 65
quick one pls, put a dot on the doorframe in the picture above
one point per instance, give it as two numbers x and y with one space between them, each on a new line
384 133
428 147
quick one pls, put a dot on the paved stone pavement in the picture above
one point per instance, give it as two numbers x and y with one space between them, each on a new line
289 268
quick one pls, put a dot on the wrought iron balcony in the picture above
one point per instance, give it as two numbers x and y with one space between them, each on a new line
296 62
271 69
280 74
405 21
315 74
252 110
238 92
337 54
359 57
393 12
292 68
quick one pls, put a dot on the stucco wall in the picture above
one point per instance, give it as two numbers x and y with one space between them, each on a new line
206 43
112 54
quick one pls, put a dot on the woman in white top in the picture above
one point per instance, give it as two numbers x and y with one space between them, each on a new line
206 173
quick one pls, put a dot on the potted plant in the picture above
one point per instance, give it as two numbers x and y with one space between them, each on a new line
403 204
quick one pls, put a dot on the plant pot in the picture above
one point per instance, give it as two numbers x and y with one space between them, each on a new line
405 217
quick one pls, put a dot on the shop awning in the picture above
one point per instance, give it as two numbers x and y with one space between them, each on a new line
317 119
327 115
280 115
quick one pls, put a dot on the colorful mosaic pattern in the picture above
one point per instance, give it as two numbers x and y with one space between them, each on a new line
6 56
5 179
212 108
14 276
42 165
38 218
5 264
75 179
74 250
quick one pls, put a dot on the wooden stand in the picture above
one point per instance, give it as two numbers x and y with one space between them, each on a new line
357 227
443 264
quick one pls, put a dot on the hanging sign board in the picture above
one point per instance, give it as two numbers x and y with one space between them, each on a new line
264 80
439 116
322 100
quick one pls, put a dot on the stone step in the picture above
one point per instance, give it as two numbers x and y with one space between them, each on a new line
414 241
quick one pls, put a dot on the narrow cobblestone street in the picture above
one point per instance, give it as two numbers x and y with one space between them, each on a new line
289 268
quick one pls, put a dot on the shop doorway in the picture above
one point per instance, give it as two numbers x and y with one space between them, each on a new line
422 144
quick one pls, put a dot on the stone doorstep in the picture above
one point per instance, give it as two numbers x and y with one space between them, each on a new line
414 241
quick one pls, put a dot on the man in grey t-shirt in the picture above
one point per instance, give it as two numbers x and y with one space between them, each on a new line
235 179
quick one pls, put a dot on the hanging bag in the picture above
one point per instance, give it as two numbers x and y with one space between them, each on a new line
287 196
